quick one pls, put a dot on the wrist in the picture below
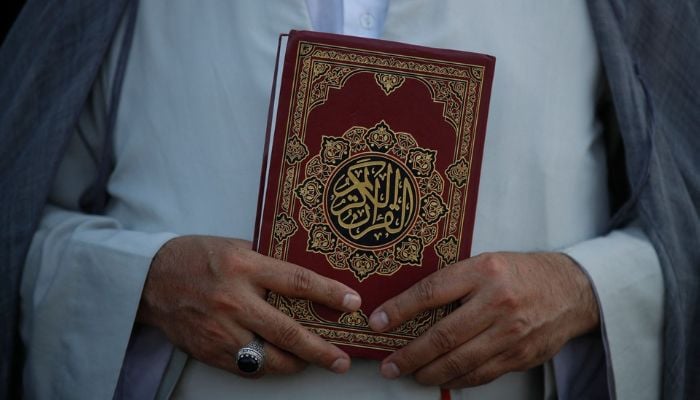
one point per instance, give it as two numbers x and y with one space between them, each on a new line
164 257
582 300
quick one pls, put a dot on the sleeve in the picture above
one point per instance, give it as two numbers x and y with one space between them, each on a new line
82 282
627 281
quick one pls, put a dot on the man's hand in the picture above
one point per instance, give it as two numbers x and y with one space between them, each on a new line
208 295
517 310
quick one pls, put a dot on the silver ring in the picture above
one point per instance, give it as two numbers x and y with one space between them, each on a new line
251 357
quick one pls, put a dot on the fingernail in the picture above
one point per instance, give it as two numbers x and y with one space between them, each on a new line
340 365
351 301
390 370
378 320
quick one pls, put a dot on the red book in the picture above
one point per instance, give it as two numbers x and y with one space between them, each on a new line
371 174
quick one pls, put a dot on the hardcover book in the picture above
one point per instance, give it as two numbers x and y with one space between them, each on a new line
371 174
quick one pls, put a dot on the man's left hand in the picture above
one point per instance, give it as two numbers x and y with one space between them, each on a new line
517 310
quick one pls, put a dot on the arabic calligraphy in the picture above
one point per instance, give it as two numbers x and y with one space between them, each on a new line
371 200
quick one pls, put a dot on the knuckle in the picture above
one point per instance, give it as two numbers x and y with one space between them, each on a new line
423 379
394 310
453 367
542 352
223 301
518 327
442 339
300 280
213 331
216 361
219 299
506 298
288 368
521 354
470 380
492 265
425 291
278 364
407 361
332 292
427 379
295 367
479 378
273 363
238 259
509 302
288 336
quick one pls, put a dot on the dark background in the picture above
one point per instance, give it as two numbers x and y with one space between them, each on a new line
7 17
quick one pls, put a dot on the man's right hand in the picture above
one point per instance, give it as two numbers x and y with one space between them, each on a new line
207 294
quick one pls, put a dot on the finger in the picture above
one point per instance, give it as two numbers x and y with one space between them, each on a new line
219 348
439 288
463 360
285 333
277 361
464 324
516 354
485 373
295 281
281 362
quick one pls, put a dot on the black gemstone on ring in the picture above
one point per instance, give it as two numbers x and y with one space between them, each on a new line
248 363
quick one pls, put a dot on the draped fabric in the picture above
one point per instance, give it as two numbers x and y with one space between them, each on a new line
48 63
651 54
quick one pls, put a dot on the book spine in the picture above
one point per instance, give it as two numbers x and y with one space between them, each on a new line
266 147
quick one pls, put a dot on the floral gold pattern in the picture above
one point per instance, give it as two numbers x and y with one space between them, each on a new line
373 341
310 216
380 138
426 232
284 227
432 208
319 70
355 318
296 150
421 161
334 150
434 183
363 264
339 257
287 188
318 169
310 192
388 264
404 143
455 211
333 77
355 136
418 324
321 239
409 251
389 82
296 308
447 249
458 172
278 249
